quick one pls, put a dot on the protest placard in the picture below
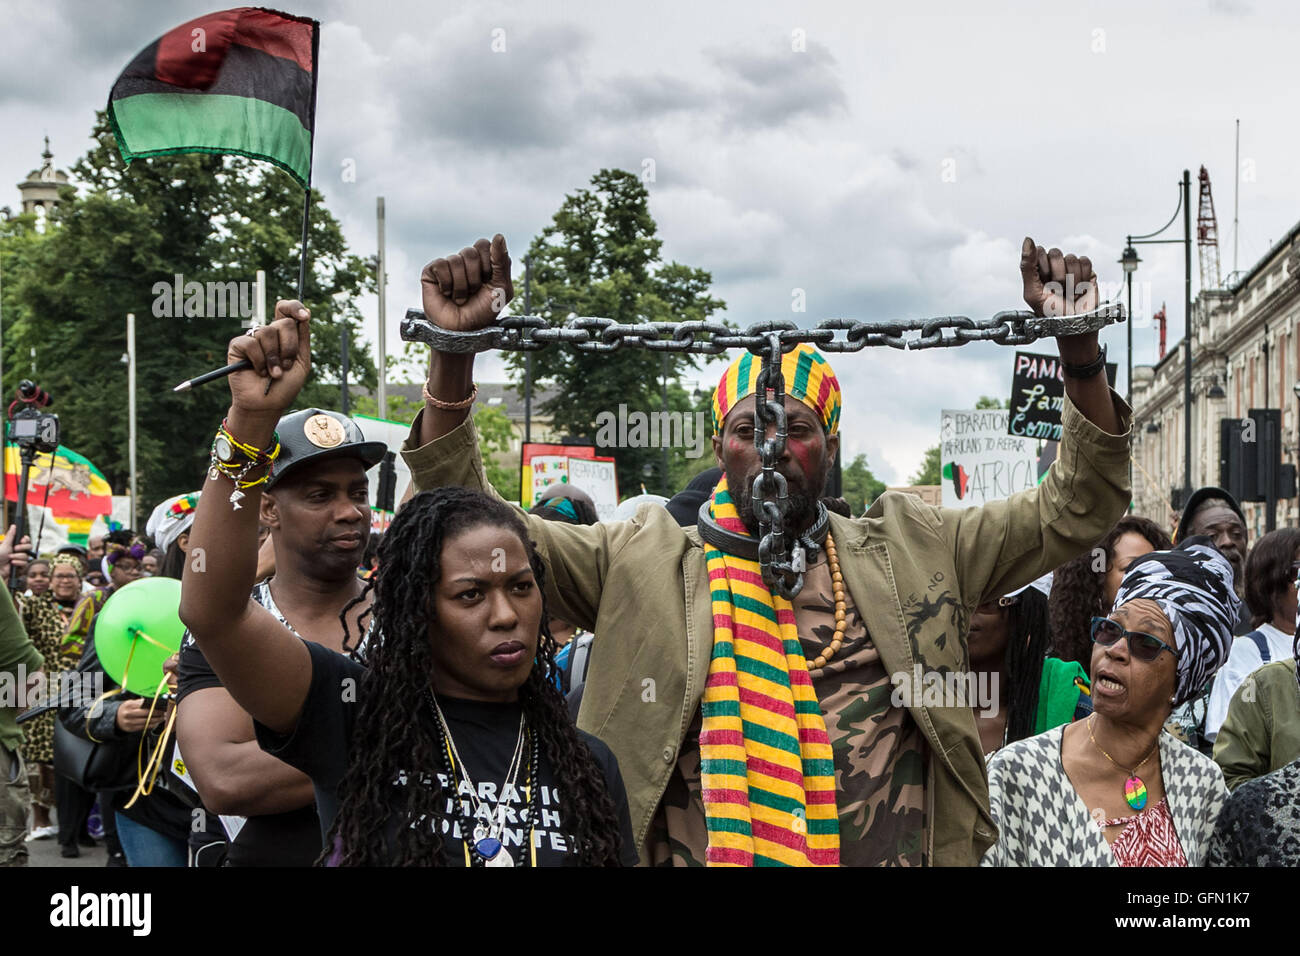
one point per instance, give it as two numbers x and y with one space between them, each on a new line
1038 395
980 461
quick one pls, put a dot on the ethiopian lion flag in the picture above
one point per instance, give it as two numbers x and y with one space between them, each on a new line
77 491
241 81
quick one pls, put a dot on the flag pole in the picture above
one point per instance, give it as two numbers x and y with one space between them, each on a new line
130 401
306 198
302 256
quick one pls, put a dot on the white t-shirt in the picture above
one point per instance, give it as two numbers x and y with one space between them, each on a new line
1243 659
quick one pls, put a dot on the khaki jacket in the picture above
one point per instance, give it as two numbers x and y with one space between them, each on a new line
915 573
1262 730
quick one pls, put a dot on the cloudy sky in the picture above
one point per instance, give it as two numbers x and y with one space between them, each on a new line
887 163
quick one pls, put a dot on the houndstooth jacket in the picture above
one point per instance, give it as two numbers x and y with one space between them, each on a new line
1042 821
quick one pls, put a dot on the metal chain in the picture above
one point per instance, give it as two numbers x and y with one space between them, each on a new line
781 563
782 572
528 333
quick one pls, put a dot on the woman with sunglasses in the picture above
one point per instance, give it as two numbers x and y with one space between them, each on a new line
1115 789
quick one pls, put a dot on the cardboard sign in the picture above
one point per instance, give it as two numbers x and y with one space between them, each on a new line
598 478
1038 395
544 465
980 461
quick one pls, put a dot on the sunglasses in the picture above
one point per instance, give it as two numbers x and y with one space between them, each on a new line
1141 646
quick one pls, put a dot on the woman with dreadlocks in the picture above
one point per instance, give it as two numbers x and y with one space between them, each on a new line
451 745
1086 586
1009 640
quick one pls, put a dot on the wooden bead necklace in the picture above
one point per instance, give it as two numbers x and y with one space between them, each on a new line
841 613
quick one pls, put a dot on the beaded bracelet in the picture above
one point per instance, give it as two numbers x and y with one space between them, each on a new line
223 462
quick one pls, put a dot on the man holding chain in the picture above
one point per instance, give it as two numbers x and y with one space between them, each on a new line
756 730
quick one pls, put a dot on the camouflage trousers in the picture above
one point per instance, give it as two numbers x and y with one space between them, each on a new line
15 798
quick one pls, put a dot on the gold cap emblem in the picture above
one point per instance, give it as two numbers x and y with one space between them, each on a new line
324 431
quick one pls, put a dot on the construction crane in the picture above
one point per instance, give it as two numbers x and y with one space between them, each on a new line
1207 235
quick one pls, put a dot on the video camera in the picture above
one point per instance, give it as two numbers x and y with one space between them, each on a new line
30 428
34 431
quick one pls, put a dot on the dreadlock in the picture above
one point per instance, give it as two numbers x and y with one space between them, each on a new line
1028 636
388 744
1077 588
172 564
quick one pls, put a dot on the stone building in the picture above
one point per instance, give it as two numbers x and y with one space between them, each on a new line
40 191
1245 355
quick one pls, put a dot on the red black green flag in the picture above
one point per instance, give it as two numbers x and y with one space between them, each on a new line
240 81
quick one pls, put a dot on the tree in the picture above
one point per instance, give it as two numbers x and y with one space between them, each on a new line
601 256
495 438
988 401
113 248
400 408
930 465
860 486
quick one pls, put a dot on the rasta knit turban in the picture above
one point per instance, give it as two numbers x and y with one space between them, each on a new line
808 378
1193 586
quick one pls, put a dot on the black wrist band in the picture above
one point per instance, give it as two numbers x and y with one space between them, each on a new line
1086 371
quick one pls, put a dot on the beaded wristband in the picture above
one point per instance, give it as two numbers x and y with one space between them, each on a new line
238 471
255 455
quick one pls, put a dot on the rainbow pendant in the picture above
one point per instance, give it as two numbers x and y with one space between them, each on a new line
1135 792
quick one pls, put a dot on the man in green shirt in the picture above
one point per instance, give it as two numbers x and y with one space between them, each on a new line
19 661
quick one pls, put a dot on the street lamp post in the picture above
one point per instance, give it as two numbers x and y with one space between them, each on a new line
130 405
1129 261
1185 205
528 359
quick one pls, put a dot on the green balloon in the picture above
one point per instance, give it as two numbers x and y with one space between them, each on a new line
147 607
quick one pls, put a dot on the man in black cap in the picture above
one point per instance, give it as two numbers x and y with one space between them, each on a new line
317 507
1215 513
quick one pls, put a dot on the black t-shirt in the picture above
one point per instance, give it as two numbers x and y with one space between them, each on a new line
275 839
485 736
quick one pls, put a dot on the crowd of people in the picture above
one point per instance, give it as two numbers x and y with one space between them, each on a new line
484 686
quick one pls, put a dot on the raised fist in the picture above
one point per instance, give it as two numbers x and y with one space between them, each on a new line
281 357
468 291
1057 284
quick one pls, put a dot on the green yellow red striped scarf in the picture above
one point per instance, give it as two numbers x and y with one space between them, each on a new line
766 769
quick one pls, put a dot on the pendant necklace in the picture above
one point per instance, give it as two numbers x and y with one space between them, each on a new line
1135 791
484 841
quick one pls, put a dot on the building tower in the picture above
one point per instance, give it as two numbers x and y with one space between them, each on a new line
41 190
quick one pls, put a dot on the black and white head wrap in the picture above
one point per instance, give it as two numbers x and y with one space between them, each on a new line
1193 586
